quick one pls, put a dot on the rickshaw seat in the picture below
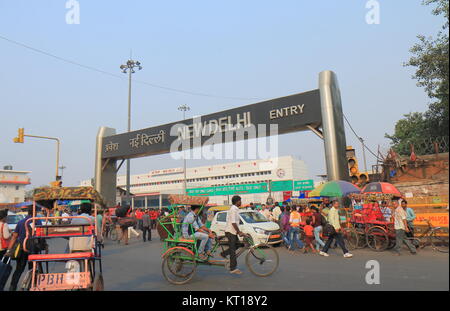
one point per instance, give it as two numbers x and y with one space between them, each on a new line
49 257
186 240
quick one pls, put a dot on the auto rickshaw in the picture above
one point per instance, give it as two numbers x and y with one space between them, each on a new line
84 254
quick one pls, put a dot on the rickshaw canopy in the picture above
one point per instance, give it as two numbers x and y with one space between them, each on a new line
180 199
67 193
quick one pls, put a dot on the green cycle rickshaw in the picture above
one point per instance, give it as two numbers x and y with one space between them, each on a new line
181 257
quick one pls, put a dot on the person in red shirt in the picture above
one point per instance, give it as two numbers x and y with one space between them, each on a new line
139 214
309 236
154 216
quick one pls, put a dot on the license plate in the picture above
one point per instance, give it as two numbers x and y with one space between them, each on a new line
62 281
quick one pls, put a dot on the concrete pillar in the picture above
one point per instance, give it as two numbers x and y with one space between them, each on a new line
160 201
333 126
105 176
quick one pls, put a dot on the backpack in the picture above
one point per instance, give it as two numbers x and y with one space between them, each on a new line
323 220
328 229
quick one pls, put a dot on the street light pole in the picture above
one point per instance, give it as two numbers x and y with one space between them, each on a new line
62 168
364 153
184 108
129 68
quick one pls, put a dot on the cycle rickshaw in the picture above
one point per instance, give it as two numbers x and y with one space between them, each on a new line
180 256
84 254
368 227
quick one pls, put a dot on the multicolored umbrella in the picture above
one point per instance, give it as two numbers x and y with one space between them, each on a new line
381 187
338 188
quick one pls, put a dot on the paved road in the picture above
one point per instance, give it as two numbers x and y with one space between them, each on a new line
138 267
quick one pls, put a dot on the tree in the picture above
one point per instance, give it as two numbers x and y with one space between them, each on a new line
430 57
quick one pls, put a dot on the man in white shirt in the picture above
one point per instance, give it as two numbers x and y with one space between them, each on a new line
232 232
266 212
401 227
276 212
335 222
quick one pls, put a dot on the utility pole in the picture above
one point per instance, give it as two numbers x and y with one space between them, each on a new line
364 153
129 68
184 108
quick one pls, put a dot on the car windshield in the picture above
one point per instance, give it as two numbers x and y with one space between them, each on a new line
13 219
253 217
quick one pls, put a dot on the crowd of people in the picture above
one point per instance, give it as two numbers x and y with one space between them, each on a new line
311 227
318 221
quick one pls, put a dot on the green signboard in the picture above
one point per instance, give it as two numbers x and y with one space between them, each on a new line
303 185
207 191
281 185
228 190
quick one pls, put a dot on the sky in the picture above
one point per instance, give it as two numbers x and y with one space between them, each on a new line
251 50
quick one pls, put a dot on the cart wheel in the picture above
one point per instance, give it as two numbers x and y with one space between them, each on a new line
178 266
361 238
392 243
98 285
262 260
113 234
351 238
377 239
25 285
439 240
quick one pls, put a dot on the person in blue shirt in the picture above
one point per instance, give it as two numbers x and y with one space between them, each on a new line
193 227
19 235
410 217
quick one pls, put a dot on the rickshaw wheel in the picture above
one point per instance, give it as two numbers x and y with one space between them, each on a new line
98 284
178 266
262 260
26 282
113 235
351 238
439 240
377 239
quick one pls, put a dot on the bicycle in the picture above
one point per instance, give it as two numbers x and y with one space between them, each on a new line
434 236
180 263
111 232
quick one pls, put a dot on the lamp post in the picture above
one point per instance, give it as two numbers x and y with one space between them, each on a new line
184 108
129 68
62 168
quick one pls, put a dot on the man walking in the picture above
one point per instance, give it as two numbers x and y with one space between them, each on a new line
294 231
19 235
401 228
410 217
232 232
146 227
334 221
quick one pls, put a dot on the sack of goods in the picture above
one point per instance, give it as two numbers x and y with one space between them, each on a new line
127 222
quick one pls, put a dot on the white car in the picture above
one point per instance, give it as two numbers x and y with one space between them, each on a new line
251 222
12 219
